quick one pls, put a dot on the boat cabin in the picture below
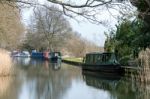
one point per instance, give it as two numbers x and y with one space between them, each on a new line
97 58
55 54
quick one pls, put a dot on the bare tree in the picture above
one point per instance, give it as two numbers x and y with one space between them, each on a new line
11 28
91 9
78 46
87 9
51 28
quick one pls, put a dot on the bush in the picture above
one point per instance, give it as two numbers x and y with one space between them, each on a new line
124 60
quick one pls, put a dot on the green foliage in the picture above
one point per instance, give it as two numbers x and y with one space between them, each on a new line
129 38
142 5
110 42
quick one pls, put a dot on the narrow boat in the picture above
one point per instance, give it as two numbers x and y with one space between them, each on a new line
37 55
55 56
101 62
20 54
46 55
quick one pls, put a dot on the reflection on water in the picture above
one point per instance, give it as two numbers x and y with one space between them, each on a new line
22 60
101 81
119 87
38 79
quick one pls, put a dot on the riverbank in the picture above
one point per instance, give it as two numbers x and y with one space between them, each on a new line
129 70
73 61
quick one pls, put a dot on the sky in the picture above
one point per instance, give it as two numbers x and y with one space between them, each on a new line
92 32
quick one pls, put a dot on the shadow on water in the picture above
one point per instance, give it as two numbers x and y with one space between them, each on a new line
120 87
101 80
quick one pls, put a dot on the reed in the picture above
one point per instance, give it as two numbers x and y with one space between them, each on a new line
144 64
5 83
6 66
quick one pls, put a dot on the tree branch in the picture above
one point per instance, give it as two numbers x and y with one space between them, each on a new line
87 4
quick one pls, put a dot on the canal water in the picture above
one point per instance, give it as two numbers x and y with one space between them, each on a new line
38 79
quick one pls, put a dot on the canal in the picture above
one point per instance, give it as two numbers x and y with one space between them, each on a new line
38 79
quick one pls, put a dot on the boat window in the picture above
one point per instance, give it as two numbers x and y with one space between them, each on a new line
56 54
99 58
106 57
87 59
94 58
91 59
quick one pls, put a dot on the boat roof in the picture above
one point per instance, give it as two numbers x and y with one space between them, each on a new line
99 53
55 52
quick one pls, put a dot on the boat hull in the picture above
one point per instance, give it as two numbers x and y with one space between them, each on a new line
103 68
55 59
38 55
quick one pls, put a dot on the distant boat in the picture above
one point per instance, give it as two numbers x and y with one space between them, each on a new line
38 55
55 56
101 62
21 54
52 56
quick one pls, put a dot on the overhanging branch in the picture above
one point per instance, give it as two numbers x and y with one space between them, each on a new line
88 4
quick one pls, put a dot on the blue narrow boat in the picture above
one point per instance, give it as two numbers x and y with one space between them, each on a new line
101 62
38 55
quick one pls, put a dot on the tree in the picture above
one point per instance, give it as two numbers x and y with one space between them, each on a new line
90 8
50 27
87 9
78 46
110 42
11 28
129 39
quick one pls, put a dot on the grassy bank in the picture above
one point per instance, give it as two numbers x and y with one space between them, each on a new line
73 59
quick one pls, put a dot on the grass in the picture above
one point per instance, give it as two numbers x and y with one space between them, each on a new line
74 59
6 67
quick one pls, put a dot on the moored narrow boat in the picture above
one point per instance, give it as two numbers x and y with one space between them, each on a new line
20 54
37 55
55 56
101 62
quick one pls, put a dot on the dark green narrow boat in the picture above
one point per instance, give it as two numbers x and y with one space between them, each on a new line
55 57
101 62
